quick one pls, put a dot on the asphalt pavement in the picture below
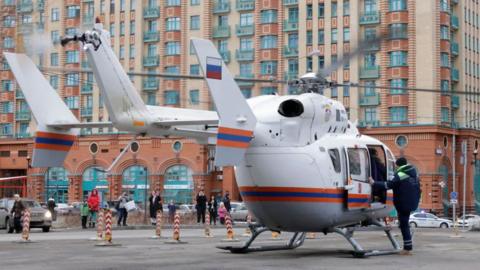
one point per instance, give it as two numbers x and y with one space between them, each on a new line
72 249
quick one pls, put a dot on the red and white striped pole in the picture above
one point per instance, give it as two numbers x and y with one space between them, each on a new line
26 225
108 226
207 225
158 227
176 228
249 221
100 225
230 233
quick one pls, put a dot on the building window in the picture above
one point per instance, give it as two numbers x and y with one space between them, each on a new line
268 67
370 6
321 62
55 15
194 2
132 27
246 44
73 11
9 21
309 11
321 37
73 57
133 3
309 37
346 8
309 63
397 5
333 92
292 66
444 6
246 19
247 92
6 129
445 86
445 114
398 59
54 59
194 22
112 29
173 24
194 69
321 10
72 79
444 60
268 90
370 114
245 69
122 29
8 43
401 141
173 3
346 34
7 107
194 97
293 40
293 14
172 97
402 83
132 51
334 9
444 32
269 16
122 5
152 98
54 81
334 35
72 102
398 30
172 70
121 53
173 48
269 42
398 114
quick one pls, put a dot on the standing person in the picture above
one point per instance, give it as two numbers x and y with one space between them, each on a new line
155 205
17 212
226 201
379 174
93 207
171 211
222 213
122 213
201 206
406 196
51 207
84 213
212 209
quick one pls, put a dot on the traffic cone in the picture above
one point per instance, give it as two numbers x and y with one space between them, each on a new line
230 233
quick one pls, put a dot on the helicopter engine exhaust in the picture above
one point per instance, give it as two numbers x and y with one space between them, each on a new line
291 108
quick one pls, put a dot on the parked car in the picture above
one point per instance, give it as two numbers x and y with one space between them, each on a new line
471 221
39 217
427 220
240 212
63 208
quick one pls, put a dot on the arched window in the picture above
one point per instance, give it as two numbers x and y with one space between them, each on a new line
56 184
178 184
95 177
135 183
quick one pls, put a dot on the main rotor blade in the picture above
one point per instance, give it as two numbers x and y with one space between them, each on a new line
357 85
362 47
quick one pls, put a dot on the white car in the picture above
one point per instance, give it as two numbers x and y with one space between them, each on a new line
240 212
427 220
471 221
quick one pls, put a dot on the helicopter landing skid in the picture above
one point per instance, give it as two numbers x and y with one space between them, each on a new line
358 251
294 242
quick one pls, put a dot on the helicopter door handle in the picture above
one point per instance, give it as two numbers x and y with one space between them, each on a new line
349 187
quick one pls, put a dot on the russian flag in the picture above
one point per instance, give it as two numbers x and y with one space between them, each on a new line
214 68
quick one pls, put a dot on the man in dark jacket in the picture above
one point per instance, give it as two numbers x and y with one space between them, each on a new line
379 174
17 212
226 201
201 206
406 196
155 205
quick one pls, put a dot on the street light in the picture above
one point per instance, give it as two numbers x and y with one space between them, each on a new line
475 153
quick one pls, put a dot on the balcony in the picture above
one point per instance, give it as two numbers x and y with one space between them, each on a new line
88 19
19 95
244 55
372 100
290 2
454 48
372 46
290 51
151 61
221 7
244 30
455 75
454 23
150 85
370 72
246 82
86 111
370 18
87 88
221 31
455 102
151 12
290 75
25 28
290 25
151 36
23 116
225 56
25 6
245 5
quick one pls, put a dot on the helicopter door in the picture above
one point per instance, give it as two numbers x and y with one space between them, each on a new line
358 187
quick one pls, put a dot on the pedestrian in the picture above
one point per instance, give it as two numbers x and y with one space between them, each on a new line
155 205
122 209
406 196
51 207
226 201
379 174
84 211
201 206
17 212
171 211
222 213
93 207
212 209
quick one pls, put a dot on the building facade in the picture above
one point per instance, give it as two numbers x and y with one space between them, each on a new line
430 44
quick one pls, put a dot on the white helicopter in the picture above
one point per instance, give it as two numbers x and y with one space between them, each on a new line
300 165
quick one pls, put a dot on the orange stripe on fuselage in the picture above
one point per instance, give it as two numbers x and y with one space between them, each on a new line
292 189
54 147
356 204
234 131
50 135
291 199
233 144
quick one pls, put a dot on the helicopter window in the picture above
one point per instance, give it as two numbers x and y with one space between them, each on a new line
358 163
337 115
335 157
291 108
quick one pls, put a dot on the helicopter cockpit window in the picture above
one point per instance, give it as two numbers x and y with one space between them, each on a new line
335 157
359 164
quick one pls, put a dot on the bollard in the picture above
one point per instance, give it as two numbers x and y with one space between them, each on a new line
108 230
100 225
26 226
176 231
230 233
207 225
158 226
249 221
